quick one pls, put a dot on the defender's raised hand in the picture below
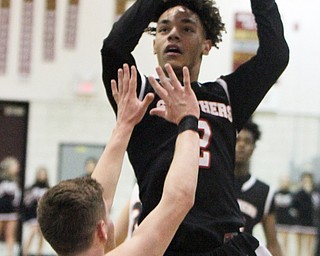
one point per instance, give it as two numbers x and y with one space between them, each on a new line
130 108
179 100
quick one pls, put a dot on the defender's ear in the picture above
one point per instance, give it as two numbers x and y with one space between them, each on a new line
102 231
207 44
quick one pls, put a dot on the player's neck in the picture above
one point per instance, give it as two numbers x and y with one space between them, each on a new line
92 251
194 74
241 169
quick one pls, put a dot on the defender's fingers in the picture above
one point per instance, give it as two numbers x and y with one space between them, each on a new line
158 88
147 101
175 83
114 89
120 81
165 82
133 80
126 77
186 78
157 112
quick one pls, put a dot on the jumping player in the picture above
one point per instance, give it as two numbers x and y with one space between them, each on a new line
186 30
74 215
256 198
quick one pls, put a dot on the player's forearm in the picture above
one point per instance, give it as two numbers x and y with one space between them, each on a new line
274 249
109 166
256 76
181 181
123 38
177 198
272 43
126 32
121 225
269 227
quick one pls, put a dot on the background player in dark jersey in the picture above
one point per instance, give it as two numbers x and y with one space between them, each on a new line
74 215
186 30
256 198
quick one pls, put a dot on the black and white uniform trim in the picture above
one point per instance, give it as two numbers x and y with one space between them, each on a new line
256 200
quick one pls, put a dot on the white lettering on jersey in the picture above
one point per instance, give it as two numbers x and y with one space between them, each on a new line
248 208
216 109
209 107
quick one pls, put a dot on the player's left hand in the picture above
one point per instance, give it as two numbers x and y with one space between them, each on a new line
130 108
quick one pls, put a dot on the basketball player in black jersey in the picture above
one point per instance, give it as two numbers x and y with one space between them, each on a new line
256 198
186 30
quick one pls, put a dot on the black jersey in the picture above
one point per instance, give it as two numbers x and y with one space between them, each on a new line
304 206
256 200
10 195
31 198
283 202
225 104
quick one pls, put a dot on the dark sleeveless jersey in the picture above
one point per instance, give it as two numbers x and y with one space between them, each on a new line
304 207
256 200
31 198
151 147
10 195
283 202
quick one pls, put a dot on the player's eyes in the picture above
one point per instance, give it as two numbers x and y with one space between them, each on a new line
163 29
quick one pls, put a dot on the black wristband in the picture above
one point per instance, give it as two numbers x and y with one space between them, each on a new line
188 123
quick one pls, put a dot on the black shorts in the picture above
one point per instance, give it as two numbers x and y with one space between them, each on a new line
243 244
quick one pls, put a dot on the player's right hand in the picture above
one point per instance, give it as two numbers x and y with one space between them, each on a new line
179 100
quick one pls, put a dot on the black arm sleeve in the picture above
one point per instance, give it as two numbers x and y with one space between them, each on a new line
122 40
251 81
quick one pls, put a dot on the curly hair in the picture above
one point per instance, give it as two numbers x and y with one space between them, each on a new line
207 12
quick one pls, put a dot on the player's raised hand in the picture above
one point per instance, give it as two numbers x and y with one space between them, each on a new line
130 108
179 100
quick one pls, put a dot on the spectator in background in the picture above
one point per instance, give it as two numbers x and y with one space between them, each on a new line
304 203
89 165
10 195
284 218
255 197
30 202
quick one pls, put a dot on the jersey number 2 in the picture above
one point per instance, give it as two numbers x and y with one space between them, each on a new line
205 135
